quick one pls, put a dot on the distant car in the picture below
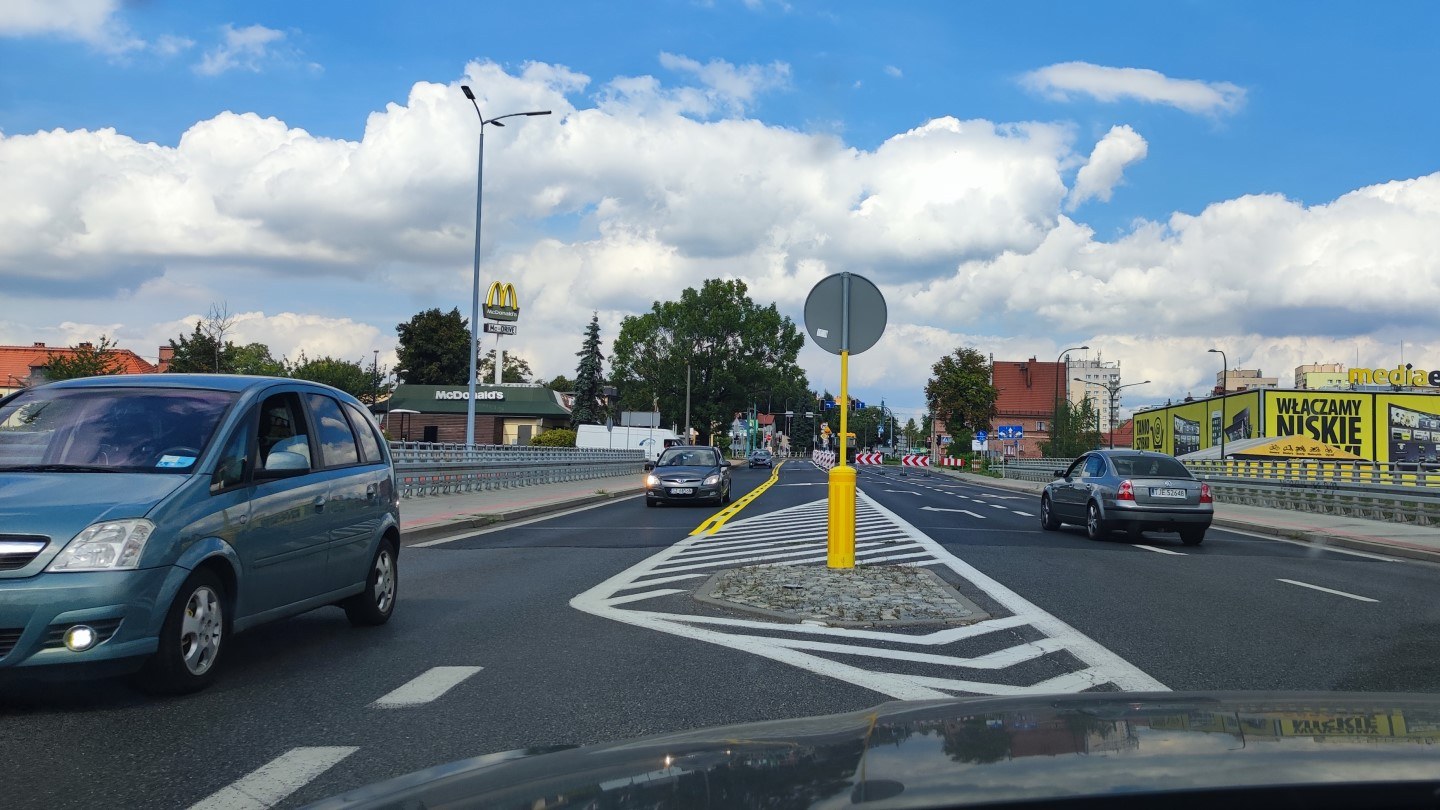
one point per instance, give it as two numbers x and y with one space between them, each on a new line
1130 490
687 474
145 518
760 458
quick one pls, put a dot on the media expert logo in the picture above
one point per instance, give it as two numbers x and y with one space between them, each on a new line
466 395
1400 375
501 303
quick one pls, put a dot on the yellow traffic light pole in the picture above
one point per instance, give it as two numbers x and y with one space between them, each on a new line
840 552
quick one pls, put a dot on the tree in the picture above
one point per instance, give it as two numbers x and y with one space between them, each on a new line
960 392
589 378
1074 430
84 360
198 354
254 358
435 348
561 383
516 370
913 435
352 377
734 348
559 437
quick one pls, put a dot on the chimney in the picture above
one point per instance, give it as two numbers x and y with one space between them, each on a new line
167 353
87 345
38 345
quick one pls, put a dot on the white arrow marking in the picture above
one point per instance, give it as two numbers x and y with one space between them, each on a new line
943 509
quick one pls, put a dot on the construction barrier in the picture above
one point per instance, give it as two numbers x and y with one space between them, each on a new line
824 459
869 458
946 461
915 461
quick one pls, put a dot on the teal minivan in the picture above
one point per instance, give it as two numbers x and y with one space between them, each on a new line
146 518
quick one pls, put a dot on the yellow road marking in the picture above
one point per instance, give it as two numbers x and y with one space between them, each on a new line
713 523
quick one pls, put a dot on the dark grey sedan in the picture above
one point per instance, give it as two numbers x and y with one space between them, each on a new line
1129 490
686 474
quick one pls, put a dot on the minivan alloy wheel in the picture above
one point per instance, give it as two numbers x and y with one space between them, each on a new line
384 580
202 626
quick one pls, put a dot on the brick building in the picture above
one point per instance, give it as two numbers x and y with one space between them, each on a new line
509 413
24 366
1026 394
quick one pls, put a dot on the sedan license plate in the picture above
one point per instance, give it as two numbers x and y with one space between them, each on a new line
1156 492
682 491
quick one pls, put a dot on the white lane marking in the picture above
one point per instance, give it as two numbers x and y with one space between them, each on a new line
272 782
1069 682
1114 669
636 597
1018 512
514 524
998 506
425 687
644 583
943 509
1159 550
904 491
1313 546
938 638
1329 590
999 659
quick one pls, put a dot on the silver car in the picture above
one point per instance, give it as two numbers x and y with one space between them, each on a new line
1130 490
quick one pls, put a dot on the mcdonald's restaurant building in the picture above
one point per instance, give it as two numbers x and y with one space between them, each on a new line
509 413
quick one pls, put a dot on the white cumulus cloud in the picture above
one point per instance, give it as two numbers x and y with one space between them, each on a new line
1120 147
94 22
1063 80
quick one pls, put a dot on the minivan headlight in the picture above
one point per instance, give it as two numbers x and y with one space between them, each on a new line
712 480
110 545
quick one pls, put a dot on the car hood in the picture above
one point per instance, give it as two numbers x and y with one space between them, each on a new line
963 751
59 505
685 470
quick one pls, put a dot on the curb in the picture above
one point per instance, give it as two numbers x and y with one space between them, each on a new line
481 520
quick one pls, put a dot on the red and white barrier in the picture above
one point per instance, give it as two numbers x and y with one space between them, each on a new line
946 461
915 461
869 458
824 459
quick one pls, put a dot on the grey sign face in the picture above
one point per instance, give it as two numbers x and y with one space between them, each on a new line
826 316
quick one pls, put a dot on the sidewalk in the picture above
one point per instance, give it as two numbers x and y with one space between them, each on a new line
1375 536
440 515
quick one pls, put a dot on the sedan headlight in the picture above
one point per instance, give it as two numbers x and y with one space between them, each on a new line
712 480
652 481
108 546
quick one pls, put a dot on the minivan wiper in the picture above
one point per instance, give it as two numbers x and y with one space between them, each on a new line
58 468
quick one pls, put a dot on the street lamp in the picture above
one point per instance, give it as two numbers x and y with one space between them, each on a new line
1224 389
475 287
1056 413
1112 389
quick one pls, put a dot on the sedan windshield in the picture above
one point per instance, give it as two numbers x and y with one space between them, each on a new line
687 457
108 429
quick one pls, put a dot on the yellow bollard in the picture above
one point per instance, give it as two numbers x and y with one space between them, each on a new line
841 534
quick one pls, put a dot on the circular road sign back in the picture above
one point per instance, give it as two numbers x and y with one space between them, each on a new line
826 315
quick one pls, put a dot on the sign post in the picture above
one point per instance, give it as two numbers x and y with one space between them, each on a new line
501 304
844 314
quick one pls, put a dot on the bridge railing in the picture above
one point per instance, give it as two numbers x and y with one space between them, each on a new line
425 469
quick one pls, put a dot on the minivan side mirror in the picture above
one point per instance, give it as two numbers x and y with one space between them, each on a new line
1059 473
282 464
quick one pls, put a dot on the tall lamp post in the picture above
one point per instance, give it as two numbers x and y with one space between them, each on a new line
475 286
1058 358
1112 389
1224 389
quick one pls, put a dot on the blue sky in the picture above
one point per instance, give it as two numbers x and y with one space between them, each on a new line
1324 99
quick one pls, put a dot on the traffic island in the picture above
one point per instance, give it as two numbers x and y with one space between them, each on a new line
864 596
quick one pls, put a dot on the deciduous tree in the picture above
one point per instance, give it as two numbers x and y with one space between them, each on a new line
959 391
84 360
434 348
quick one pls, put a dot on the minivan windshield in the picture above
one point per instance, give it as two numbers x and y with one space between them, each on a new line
109 429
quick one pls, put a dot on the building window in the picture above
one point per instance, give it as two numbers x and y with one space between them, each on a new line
1039 425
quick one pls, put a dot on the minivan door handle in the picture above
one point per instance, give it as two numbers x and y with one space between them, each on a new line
371 491
319 503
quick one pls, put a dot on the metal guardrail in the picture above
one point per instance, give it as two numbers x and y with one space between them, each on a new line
423 469
1398 493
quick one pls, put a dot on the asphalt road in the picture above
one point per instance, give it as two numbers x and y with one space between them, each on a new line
299 714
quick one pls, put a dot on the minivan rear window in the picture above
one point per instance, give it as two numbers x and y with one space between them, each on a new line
161 430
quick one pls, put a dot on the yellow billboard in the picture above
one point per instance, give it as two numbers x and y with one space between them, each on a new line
1151 431
1239 420
1409 428
1342 421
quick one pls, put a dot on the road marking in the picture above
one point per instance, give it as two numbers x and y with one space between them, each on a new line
508 524
1312 546
715 521
944 509
1329 590
998 506
1159 550
903 491
636 597
272 782
425 687
1018 512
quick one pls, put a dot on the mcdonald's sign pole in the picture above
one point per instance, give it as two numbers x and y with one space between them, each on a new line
501 304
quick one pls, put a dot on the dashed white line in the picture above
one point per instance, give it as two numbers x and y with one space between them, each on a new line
1018 512
426 687
1328 590
272 782
1159 550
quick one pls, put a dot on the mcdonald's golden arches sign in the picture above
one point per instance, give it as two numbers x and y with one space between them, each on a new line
501 303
